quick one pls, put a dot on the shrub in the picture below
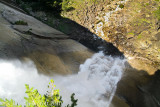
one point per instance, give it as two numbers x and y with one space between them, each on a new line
34 99
18 1
121 6
157 13
20 22
44 5
66 5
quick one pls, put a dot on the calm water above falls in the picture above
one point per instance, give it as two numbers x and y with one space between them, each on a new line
94 85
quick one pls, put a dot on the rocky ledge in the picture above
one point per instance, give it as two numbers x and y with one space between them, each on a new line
131 25
23 36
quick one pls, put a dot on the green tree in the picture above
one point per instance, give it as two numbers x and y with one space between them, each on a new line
35 99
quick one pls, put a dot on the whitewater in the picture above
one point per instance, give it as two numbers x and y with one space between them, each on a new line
94 85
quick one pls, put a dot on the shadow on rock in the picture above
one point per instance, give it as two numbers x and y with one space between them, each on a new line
139 89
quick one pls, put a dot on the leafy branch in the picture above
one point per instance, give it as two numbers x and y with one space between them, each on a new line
35 99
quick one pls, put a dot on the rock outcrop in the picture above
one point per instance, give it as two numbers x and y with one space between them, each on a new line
131 25
51 50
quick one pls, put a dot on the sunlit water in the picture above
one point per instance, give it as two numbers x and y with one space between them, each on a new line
94 85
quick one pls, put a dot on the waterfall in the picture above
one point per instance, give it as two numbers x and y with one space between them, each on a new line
94 85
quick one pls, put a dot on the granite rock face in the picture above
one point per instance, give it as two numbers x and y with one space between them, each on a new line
131 25
51 50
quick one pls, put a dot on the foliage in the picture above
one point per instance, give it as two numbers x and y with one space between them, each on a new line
18 1
157 13
20 22
74 101
66 5
35 99
139 36
121 6
9 103
52 5
44 5
130 33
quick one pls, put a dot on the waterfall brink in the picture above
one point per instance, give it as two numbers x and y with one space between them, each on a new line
94 85
96 82
106 70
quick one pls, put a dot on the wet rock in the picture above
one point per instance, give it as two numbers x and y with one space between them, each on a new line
51 50
34 25
139 88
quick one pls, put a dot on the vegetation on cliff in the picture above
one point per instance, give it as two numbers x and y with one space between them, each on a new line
20 22
53 5
132 26
40 5
157 13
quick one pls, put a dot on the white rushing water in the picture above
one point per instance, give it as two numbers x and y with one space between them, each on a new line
94 85
106 17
